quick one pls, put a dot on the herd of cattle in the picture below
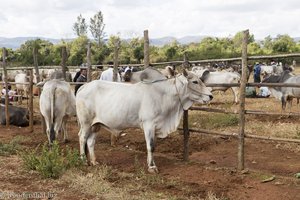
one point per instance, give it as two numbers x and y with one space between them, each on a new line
153 100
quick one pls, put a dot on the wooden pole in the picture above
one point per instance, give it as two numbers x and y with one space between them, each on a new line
6 86
146 49
36 65
241 136
294 64
116 59
31 100
64 61
186 135
89 62
186 132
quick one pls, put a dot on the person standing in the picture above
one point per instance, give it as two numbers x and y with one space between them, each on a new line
82 78
257 70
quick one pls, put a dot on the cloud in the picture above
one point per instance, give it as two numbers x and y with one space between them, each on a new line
55 18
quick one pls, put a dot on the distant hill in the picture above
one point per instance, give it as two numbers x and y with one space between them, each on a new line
16 42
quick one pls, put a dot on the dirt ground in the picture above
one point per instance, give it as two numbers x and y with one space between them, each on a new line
211 168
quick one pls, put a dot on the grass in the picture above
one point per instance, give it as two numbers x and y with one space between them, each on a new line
12 147
217 120
51 163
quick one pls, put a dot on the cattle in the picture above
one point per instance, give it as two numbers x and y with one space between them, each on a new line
57 104
147 75
18 116
169 71
58 74
220 77
154 106
22 88
271 69
285 94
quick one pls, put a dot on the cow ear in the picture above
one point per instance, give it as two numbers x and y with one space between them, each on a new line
184 72
204 75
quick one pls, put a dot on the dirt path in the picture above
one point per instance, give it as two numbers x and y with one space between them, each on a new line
212 167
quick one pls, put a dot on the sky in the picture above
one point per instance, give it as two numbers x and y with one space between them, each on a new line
129 18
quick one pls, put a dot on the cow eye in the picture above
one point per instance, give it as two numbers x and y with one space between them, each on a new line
195 82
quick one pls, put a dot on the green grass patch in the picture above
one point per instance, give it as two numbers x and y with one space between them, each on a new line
10 148
51 163
218 120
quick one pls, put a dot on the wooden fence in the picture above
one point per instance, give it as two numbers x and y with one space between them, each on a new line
186 130
242 111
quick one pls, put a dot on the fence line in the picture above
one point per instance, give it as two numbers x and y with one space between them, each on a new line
210 132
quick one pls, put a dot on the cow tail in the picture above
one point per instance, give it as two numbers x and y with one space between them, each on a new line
52 114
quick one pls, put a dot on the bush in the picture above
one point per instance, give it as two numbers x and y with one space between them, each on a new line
51 163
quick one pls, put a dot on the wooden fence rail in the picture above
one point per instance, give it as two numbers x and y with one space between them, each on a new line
235 135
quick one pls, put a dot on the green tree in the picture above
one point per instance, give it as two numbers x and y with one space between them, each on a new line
80 26
78 49
97 27
284 44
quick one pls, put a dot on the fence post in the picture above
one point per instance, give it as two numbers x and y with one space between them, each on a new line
241 136
186 132
89 65
31 100
64 61
6 86
36 65
294 64
146 49
116 59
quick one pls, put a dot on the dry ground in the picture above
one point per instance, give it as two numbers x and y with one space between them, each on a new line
211 171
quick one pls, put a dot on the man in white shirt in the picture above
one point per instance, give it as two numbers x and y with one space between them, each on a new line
107 75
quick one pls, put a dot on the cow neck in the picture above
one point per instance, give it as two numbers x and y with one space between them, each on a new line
154 81
177 91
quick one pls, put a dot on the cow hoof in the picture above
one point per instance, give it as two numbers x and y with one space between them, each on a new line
94 163
153 170
66 141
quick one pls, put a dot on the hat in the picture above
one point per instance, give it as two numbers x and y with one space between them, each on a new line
83 66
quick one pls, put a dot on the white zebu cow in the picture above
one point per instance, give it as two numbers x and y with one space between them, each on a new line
57 104
156 107
271 69
22 88
220 77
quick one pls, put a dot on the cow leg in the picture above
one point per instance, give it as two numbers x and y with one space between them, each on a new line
91 145
48 126
83 135
114 139
283 103
149 137
235 92
64 129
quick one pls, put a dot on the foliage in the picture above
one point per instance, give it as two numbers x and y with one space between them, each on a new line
218 120
51 163
97 27
10 148
78 49
80 26
132 50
